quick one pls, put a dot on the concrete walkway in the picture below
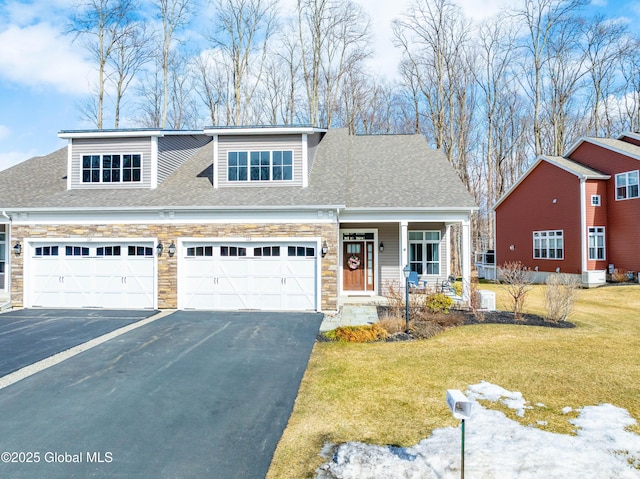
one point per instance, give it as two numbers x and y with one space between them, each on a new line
350 315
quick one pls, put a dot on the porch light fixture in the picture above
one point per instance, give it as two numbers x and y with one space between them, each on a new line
381 247
172 249
407 271
325 249
17 248
512 247
558 269
159 248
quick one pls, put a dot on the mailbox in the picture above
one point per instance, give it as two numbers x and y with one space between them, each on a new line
459 404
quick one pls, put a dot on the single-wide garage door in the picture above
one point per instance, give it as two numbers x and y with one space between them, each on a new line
233 276
90 275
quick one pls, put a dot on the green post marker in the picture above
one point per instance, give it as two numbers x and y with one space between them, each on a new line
462 461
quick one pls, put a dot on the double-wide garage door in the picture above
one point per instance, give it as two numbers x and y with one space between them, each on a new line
94 275
234 276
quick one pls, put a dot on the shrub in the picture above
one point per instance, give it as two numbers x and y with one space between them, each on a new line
358 334
559 295
518 279
393 324
474 299
619 276
438 303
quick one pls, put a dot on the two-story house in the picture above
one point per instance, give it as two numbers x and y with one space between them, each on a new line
273 218
577 213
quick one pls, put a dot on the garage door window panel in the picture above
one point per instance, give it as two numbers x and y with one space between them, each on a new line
46 251
140 251
233 251
108 251
195 251
76 251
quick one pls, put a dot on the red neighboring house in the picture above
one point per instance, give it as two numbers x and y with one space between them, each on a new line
575 214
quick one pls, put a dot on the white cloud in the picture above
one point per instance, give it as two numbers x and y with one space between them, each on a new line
38 55
5 131
11 158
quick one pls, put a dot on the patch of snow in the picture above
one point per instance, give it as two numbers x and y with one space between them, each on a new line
567 410
497 446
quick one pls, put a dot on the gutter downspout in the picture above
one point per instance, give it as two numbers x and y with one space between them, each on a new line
583 226
7 304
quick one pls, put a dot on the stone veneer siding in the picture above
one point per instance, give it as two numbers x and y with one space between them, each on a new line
168 266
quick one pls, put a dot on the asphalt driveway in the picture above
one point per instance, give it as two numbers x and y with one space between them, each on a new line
190 395
29 335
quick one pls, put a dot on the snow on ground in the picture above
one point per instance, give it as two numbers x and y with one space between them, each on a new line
498 447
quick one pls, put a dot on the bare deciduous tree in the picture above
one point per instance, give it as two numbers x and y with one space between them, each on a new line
174 14
101 23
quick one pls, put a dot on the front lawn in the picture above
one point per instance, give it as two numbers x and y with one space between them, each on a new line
394 392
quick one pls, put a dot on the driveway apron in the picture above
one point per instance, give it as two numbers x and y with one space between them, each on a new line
29 335
191 395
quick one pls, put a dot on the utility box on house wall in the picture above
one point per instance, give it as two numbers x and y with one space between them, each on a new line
486 300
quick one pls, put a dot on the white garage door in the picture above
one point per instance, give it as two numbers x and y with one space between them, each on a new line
268 276
90 275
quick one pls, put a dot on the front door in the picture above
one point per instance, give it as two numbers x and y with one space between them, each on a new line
353 266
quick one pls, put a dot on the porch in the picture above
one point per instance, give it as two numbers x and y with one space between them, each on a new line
372 256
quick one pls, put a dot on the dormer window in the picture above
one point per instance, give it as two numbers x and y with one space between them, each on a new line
112 168
260 165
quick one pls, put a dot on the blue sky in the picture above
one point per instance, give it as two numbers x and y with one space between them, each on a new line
44 75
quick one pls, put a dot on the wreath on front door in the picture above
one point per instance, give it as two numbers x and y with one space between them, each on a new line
353 262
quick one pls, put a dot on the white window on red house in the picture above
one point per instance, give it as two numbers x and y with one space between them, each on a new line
627 185
595 200
597 243
548 244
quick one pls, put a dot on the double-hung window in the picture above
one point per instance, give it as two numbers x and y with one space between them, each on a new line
259 166
111 168
627 185
424 252
596 243
548 244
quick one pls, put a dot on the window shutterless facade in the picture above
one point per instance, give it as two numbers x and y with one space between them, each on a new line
260 165
424 252
627 185
597 243
112 168
548 244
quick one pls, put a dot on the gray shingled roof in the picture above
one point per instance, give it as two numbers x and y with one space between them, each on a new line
389 171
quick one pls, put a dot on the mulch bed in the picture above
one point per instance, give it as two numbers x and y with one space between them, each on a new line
506 317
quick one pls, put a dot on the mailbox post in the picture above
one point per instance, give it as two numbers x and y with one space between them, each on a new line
461 409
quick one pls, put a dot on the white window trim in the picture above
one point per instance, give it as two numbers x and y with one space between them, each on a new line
595 200
626 174
121 182
424 242
270 180
547 237
592 231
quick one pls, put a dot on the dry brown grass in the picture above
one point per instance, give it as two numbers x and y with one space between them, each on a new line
394 393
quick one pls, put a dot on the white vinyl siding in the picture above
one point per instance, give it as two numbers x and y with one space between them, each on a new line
110 146
258 143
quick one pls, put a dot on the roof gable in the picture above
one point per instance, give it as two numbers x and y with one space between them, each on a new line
580 171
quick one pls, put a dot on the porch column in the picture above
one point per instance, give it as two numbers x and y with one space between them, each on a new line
404 247
466 261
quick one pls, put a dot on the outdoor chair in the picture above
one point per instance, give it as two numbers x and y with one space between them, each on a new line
448 286
415 283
